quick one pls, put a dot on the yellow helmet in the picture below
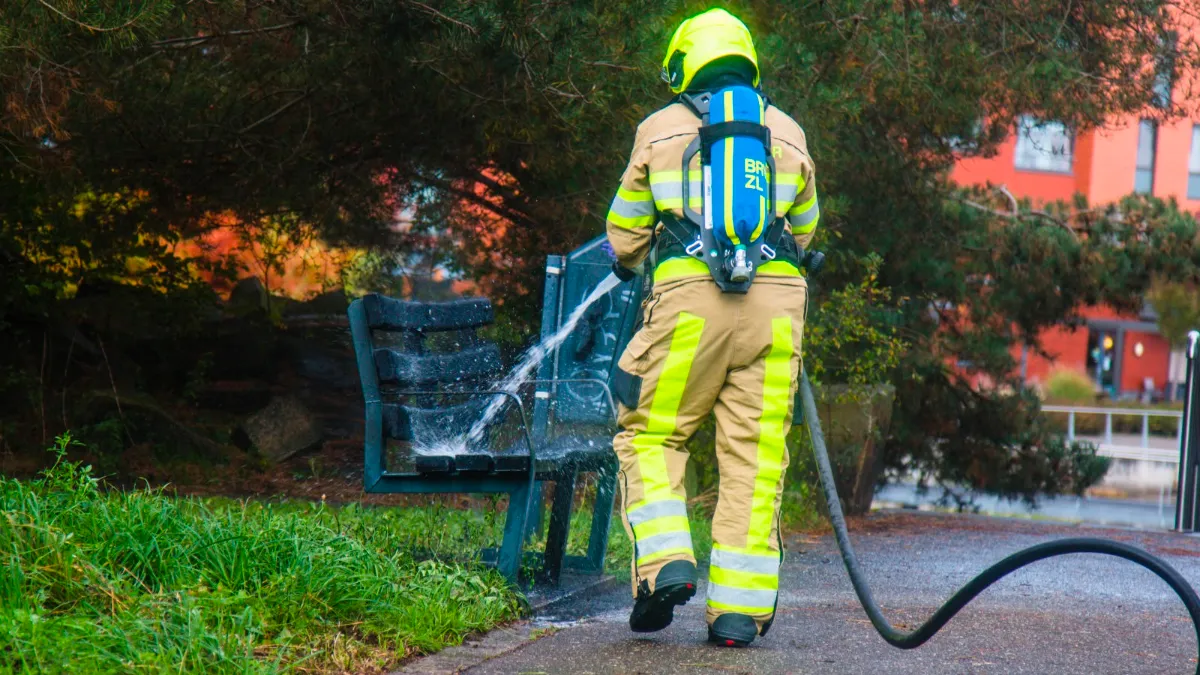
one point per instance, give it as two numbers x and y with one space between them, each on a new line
703 39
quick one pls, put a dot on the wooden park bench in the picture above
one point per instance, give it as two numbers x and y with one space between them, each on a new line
425 369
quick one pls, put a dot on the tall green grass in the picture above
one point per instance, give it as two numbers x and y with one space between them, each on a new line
120 582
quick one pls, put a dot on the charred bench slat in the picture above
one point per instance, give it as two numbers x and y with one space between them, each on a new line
405 422
425 369
386 313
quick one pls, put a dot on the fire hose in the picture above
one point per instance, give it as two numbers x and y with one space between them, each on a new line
985 579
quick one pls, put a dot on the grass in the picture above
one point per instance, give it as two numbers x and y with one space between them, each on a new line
98 582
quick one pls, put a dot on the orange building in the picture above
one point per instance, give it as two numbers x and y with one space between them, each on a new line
1045 161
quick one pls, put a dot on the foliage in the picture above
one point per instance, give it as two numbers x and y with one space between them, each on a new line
113 582
1066 385
852 338
1178 309
507 124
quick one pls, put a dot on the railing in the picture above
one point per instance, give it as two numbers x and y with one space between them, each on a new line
1144 451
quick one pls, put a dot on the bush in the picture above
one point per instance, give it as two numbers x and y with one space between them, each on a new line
1068 387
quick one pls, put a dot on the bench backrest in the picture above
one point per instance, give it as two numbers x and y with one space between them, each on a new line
403 346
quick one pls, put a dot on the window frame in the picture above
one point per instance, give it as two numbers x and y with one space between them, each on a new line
1138 168
1027 123
1194 164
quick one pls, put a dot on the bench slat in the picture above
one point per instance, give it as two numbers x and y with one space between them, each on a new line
438 368
384 313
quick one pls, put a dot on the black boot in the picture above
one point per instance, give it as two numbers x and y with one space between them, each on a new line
674 585
733 630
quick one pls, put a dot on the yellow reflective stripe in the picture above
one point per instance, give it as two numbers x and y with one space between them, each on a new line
695 201
674 268
775 268
662 526
645 510
762 218
740 609
635 195
665 553
658 177
743 580
630 222
777 387
789 179
797 209
805 229
664 406
763 551
729 150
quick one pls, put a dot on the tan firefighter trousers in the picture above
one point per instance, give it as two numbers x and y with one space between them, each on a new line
738 356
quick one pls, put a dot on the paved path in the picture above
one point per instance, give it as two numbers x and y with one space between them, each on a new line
1135 441
1153 514
1077 614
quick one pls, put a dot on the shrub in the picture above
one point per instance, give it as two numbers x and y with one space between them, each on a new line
1066 387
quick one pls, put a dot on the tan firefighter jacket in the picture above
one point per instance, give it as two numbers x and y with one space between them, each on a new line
653 182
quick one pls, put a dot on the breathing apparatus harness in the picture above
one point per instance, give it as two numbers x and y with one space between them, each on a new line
692 236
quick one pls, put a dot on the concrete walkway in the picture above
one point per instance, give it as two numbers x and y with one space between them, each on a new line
1077 614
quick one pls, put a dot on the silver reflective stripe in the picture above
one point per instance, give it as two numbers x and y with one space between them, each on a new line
674 190
662 542
630 209
741 562
659 509
805 217
728 595
784 193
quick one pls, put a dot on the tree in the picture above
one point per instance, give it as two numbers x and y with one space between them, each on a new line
1178 309
508 123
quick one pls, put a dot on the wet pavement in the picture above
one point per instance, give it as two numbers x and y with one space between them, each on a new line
1075 614
1157 514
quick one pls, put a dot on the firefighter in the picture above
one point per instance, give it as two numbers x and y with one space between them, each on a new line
703 350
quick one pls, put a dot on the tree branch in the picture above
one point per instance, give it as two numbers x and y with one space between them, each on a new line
429 10
185 42
502 211
278 111
88 26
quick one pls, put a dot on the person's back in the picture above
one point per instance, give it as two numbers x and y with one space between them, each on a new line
702 349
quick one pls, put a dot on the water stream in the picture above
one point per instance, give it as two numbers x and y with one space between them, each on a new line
518 376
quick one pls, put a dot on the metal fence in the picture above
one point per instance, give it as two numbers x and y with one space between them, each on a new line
1107 447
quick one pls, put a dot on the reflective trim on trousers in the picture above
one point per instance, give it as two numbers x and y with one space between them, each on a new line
776 409
740 600
647 511
664 406
754 563
661 545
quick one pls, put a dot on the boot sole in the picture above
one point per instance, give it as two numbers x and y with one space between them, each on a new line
724 640
661 611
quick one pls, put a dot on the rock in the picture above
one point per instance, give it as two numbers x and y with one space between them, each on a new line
240 397
248 294
332 303
282 429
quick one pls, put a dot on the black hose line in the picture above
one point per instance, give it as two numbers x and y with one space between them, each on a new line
989 576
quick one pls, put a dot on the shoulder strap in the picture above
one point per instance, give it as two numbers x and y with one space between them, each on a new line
697 103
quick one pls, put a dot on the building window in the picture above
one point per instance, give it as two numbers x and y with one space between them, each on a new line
1147 149
1043 146
1193 189
1164 67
